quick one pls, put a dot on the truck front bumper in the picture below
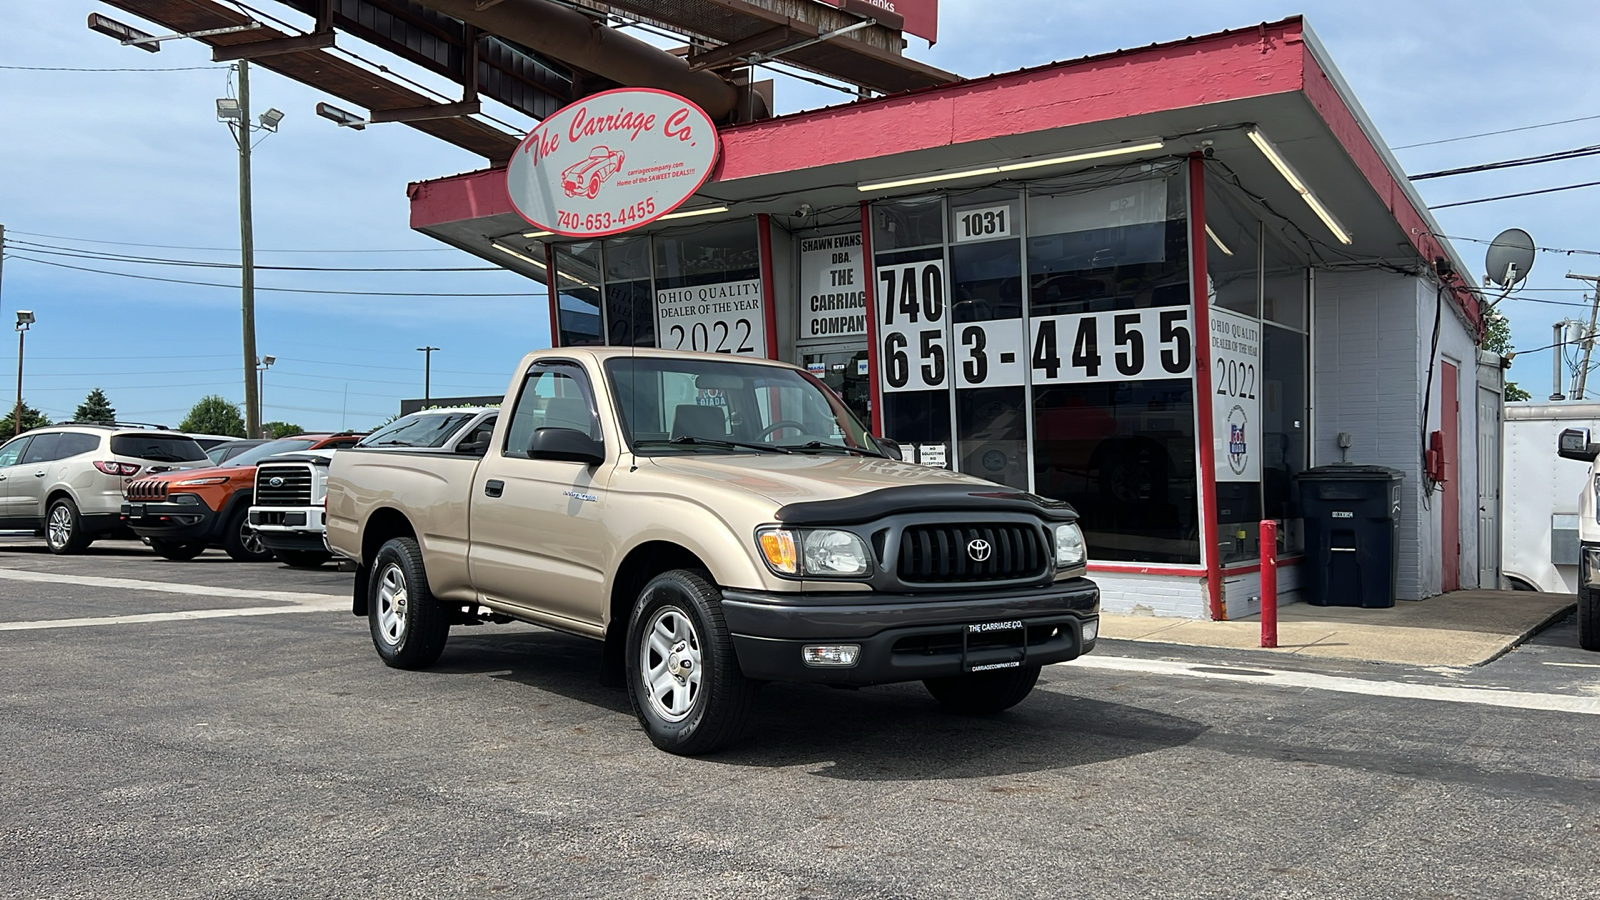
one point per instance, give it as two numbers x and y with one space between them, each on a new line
912 636
298 528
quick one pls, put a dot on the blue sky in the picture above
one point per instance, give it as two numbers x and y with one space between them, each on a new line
138 157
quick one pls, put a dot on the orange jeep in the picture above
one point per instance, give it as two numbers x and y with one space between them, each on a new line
182 513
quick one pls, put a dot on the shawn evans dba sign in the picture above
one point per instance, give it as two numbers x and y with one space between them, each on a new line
612 162
833 298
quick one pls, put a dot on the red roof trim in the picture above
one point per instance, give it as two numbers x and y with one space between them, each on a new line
1324 97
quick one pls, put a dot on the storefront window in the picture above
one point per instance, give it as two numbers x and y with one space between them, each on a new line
578 310
1285 380
1111 356
989 336
913 323
630 297
708 291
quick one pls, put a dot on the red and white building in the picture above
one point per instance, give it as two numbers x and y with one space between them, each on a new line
1158 283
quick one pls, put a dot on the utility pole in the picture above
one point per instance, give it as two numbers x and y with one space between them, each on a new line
2 255
1588 336
427 374
247 254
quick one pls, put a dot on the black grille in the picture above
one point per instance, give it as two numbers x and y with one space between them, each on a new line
292 487
941 553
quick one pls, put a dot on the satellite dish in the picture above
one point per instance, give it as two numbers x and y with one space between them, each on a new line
1510 257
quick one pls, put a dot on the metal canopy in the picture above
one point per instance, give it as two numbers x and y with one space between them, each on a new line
321 69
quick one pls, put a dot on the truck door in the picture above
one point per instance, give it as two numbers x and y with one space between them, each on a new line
538 536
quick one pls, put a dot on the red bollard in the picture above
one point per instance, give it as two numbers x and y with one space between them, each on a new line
1269 583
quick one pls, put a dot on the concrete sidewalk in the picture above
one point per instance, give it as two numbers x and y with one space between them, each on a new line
1464 628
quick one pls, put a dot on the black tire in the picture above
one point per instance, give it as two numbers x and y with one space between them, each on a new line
695 713
63 528
409 627
983 693
303 559
1589 619
180 551
240 541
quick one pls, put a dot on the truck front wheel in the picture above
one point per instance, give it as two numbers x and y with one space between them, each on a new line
409 627
981 693
683 677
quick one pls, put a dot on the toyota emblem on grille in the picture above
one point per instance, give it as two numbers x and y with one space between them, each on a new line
978 550
275 481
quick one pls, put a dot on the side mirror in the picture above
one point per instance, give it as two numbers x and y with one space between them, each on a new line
890 447
1574 444
566 445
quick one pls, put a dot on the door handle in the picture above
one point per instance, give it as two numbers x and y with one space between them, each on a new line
38 474
494 487
2 478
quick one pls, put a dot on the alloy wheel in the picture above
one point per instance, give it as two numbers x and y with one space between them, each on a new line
59 529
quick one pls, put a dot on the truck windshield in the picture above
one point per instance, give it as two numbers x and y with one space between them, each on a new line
672 405
431 429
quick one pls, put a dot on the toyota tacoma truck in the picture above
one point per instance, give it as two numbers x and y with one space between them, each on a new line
1575 444
291 490
717 522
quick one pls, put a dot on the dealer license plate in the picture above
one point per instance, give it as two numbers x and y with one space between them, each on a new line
136 511
994 645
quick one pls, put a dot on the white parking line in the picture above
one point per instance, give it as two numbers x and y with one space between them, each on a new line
1259 675
165 587
295 601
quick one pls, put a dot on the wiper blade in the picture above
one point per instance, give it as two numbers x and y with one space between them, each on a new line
392 444
712 442
822 445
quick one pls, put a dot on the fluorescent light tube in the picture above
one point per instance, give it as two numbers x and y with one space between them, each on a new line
1282 165
509 252
1218 241
1081 156
926 179
705 211
538 234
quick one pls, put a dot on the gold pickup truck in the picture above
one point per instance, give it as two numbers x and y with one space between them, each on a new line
717 522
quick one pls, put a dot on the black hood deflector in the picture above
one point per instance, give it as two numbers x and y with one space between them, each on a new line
924 498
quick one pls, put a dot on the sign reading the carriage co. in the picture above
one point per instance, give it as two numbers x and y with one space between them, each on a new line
612 162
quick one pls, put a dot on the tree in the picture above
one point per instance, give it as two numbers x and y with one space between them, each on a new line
31 418
1497 339
95 408
214 415
275 430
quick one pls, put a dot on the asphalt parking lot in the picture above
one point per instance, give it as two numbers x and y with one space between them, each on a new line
159 752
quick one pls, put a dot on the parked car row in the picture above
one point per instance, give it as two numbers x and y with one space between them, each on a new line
182 493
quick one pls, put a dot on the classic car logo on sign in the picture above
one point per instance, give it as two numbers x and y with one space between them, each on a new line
979 550
612 162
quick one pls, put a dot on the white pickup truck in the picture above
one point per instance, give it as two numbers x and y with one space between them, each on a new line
291 490
716 522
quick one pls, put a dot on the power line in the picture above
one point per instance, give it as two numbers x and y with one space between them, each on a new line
1557 156
62 237
71 69
74 253
281 290
1468 137
1560 250
1553 190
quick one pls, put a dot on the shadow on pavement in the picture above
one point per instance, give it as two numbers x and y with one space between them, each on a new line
884 733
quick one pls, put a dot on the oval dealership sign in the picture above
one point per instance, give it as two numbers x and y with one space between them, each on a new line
612 162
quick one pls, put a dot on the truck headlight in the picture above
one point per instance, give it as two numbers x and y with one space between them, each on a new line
1070 551
816 553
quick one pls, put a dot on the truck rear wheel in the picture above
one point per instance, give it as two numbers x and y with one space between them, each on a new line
683 678
982 693
409 627
1589 619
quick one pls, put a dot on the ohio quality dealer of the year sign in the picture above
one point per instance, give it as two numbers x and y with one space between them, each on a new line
612 162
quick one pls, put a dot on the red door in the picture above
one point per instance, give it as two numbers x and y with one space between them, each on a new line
1450 508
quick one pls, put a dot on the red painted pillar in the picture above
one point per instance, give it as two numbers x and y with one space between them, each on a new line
769 287
870 270
1269 583
1210 553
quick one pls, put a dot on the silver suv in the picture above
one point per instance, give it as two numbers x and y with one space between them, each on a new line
66 481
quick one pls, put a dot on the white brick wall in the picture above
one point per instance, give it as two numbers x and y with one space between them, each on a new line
1242 593
1153 595
1373 331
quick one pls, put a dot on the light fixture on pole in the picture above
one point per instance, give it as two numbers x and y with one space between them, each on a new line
24 320
427 374
261 382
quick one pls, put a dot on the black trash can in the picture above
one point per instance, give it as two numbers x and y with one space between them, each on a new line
1352 524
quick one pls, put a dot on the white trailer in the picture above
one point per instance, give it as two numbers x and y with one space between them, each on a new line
1539 522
